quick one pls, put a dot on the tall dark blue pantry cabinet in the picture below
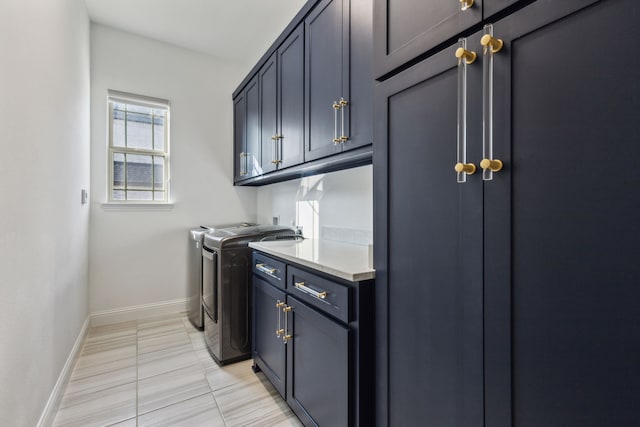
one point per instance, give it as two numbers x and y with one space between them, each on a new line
506 206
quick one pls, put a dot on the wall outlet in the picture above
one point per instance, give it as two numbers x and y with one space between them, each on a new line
276 220
83 196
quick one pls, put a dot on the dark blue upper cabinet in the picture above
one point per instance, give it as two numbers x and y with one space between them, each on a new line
339 77
327 65
406 29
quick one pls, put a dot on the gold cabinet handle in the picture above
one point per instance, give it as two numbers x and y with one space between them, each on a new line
468 56
274 137
287 337
275 162
307 290
343 103
279 305
468 168
336 107
466 4
265 269
494 165
492 43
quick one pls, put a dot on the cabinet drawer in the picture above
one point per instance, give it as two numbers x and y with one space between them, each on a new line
269 269
330 297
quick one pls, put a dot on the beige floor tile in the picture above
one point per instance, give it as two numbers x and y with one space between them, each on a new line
125 349
198 411
223 376
256 403
171 387
160 327
161 361
131 422
102 381
100 408
80 372
163 341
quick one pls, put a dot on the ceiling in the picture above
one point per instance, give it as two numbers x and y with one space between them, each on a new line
235 30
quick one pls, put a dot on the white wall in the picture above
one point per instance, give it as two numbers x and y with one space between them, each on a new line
139 257
44 146
342 201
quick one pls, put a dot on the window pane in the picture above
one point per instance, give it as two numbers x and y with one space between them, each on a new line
158 173
139 131
158 195
158 132
118 195
118 171
139 172
139 195
119 106
138 109
118 128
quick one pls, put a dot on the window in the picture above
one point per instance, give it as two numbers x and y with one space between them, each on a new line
138 148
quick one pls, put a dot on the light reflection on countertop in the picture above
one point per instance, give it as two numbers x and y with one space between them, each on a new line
344 260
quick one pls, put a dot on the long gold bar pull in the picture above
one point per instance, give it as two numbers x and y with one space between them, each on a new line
491 46
466 4
343 104
287 336
279 305
336 107
465 57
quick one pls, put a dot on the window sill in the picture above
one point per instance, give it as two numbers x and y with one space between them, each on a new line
115 206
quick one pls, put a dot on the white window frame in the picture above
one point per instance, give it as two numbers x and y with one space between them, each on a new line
140 101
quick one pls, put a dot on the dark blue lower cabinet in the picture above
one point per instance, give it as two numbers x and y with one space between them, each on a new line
313 340
269 349
319 370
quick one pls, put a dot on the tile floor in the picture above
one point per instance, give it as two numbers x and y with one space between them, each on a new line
157 372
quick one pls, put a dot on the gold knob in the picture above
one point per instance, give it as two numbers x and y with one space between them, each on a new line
465 4
336 105
274 137
468 55
491 42
287 309
286 338
343 102
468 168
494 165
280 304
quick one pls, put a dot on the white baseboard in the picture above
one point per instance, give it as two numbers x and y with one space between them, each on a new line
51 408
137 312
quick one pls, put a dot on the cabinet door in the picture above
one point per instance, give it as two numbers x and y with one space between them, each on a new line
268 76
319 371
561 236
327 71
269 350
359 112
291 99
405 29
239 136
252 149
429 366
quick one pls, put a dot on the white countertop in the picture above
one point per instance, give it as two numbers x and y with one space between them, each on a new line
343 260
